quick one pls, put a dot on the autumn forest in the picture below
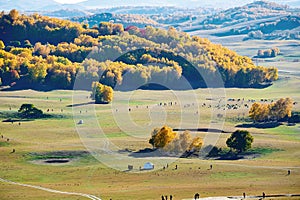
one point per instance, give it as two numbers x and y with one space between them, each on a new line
46 53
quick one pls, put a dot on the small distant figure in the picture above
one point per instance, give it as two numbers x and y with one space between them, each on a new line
171 197
129 109
52 110
210 167
197 196
60 100
7 139
47 97
19 123
9 108
48 110
176 167
61 110
1 136
264 195
289 172
167 165
166 197
13 151
244 195
162 197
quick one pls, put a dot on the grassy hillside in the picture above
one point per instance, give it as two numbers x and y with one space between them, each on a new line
49 53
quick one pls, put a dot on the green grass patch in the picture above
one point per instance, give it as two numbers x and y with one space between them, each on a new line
116 135
56 155
4 144
262 151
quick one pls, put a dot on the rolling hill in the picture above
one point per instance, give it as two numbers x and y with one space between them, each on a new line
50 53
260 20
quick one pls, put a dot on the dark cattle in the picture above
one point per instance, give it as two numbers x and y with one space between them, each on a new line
196 196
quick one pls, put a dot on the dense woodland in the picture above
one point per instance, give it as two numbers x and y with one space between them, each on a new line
47 53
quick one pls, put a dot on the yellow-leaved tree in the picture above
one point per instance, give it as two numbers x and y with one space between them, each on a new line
274 111
162 137
101 93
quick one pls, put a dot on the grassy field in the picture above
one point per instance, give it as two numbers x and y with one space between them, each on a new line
267 172
113 127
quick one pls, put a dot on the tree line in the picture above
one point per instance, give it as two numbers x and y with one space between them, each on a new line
38 51
263 112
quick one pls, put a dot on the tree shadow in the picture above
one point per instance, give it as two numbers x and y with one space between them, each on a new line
260 125
148 152
17 120
80 104
212 130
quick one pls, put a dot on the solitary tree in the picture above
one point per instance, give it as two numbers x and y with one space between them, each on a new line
240 140
30 111
101 93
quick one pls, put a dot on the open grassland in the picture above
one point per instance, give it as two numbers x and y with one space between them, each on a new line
276 149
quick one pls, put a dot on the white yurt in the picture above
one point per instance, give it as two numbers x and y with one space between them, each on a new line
148 166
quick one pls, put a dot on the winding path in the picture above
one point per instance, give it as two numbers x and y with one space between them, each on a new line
51 190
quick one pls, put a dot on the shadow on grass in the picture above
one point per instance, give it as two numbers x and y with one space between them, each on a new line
260 125
80 104
250 154
212 130
11 117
